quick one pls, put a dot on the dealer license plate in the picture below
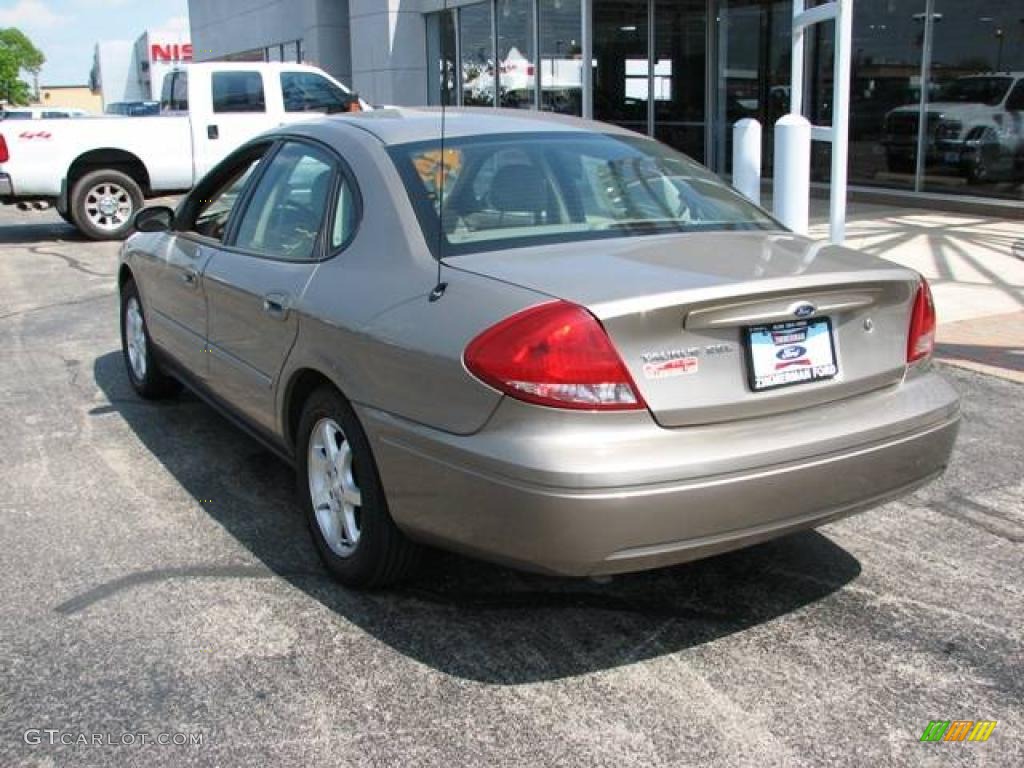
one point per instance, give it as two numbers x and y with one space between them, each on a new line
797 352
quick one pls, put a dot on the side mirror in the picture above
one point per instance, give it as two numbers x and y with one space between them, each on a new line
159 218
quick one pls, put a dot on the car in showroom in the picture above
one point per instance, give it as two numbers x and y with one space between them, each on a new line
974 128
538 340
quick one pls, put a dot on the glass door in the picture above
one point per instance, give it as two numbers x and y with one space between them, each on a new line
679 77
754 39
651 68
621 79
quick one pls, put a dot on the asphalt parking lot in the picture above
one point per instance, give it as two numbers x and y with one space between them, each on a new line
156 578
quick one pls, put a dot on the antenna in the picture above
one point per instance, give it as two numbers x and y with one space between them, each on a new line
440 287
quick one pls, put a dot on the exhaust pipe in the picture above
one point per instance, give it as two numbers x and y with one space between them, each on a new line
43 205
24 206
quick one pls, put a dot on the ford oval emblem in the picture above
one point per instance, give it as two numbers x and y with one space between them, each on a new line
804 310
791 353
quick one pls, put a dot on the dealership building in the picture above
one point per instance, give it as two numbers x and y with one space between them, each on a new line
124 70
939 80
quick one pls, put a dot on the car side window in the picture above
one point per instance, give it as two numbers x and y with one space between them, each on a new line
238 92
174 95
286 212
345 215
215 211
308 92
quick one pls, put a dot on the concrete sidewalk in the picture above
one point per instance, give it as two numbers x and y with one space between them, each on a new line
974 264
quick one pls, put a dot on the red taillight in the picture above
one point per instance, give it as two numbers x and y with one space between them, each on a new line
554 354
921 340
5 154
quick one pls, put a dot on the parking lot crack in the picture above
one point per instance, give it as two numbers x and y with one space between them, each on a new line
56 305
70 261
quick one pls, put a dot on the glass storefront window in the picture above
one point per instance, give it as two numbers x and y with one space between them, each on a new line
975 102
885 91
476 44
441 84
754 58
680 55
516 63
621 80
561 56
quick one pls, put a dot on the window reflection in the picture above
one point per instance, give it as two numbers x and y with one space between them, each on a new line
477 50
441 58
516 63
561 56
975 109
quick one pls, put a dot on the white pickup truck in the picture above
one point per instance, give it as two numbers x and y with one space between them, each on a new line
98 171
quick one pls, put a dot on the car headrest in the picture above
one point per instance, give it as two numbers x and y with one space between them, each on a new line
519 187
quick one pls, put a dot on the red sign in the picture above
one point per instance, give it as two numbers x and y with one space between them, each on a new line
170 52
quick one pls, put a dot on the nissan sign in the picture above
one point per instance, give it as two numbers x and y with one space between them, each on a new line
170 52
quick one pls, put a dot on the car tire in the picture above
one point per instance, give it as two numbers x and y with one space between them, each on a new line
104 203
146 375
343 497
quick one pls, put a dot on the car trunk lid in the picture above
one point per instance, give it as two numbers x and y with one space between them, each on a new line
678 309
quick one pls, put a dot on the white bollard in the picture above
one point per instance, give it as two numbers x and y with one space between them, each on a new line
791 189
746 158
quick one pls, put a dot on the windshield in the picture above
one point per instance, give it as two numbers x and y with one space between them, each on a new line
504 191
976 90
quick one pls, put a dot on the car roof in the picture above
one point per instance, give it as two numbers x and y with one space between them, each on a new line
404 125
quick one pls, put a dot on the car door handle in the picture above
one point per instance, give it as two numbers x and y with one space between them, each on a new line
190 277
276 305
212 132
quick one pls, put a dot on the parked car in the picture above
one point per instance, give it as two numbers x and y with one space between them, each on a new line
134 108
41 113
543 341
98 173
975 127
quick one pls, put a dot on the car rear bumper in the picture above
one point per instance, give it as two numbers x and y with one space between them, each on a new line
626 495
6 187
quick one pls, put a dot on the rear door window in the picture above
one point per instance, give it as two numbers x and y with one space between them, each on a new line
285 214
238 92
174 95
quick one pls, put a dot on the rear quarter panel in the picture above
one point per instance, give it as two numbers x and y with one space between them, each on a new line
367 322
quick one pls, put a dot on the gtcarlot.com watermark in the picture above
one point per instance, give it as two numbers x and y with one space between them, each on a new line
54 737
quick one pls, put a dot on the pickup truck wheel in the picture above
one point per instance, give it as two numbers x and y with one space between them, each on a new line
144 372
984 158
344 499
103 204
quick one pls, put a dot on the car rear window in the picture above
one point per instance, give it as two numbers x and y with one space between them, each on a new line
502 191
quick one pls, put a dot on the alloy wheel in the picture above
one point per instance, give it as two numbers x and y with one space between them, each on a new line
135 338
337 500
108 206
